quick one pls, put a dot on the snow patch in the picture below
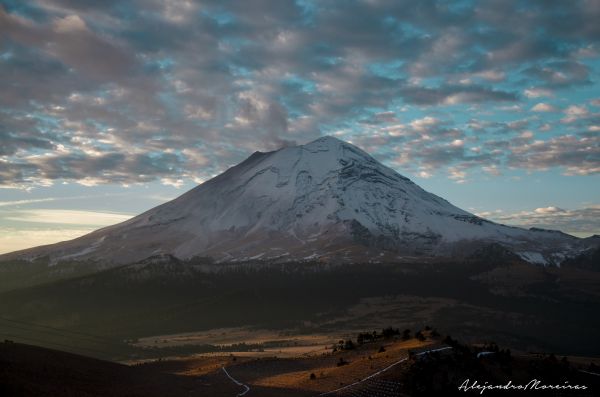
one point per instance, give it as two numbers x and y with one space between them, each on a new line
533 257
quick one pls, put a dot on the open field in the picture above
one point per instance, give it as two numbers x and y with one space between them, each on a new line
231 336
386 367
299 308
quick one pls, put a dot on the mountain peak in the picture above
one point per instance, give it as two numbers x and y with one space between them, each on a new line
329 143
327 199
326 154
328 140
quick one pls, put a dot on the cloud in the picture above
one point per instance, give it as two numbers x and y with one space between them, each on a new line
451 95
13 239
69 40
458 175
25 202
381 118
174 91
574 113
95 167
543 107
67 217
548 210
582 222
561 74
70 23
537 93
578 155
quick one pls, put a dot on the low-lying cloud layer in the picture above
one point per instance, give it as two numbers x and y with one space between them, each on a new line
14 239
579 222
67 217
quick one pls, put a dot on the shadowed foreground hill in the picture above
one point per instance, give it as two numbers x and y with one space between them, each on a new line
388 365
34 371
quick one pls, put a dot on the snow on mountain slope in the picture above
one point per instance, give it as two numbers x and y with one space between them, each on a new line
326 199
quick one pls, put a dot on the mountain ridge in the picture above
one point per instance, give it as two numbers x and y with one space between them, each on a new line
326 199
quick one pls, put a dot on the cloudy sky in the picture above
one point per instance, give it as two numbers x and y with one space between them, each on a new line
108 108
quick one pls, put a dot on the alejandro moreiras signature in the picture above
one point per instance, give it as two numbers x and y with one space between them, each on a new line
533 384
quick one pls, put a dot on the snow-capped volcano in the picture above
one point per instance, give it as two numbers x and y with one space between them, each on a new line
326 199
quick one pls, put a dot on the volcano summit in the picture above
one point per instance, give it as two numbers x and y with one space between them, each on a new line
325 200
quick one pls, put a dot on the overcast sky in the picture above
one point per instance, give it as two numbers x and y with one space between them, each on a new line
108 108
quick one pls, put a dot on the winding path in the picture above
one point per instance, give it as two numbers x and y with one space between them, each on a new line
237 383
383 370
588 372
247 388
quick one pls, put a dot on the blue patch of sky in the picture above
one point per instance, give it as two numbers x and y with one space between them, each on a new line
238 71
460 7
295 81
309 9
307 19
221 17
159 65
507 192
399 31
408 113
390 69
6 55
236 43
295 85
170 102
45 122
389 22
132 199
162 156
98 126
328 60
24 9
165 63
431 82
410 30
102 94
